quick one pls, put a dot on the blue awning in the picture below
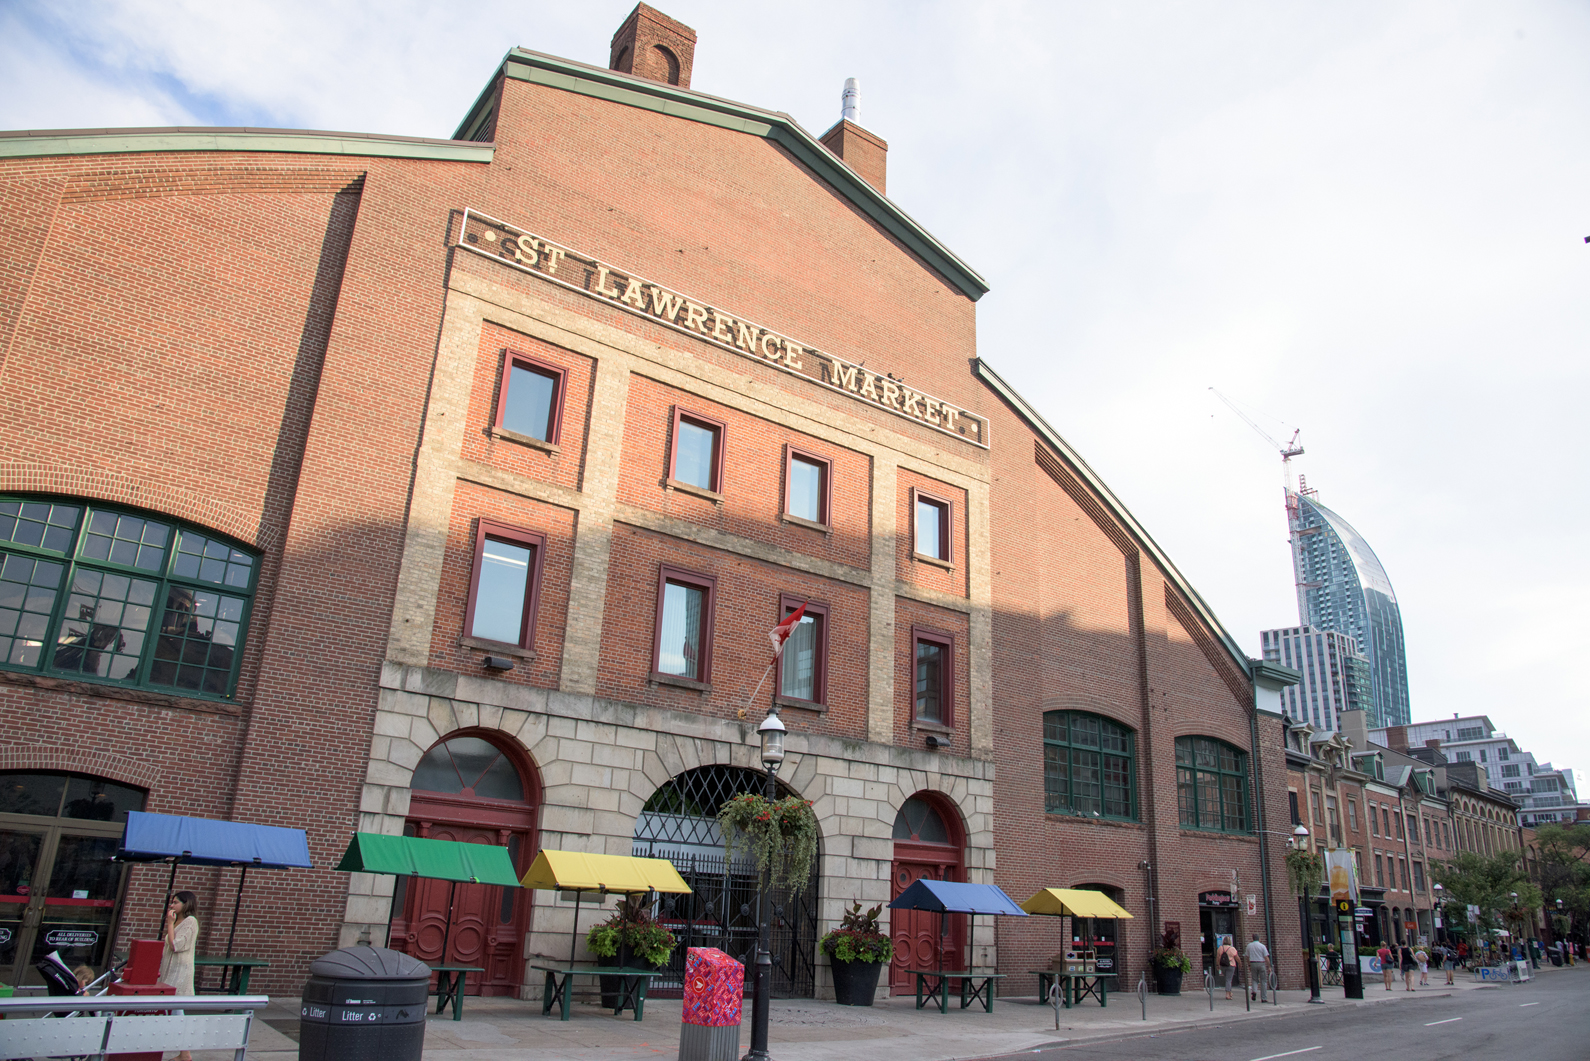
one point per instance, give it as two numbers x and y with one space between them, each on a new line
953 897
207 842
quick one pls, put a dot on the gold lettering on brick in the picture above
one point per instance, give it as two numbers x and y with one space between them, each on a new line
522 250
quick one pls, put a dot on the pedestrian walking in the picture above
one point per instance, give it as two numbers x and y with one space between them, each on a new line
1258 967
1423 958
1384 955
1226 958
1405 959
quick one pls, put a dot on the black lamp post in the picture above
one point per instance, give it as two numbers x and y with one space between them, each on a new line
772 733
1440 914
1304 903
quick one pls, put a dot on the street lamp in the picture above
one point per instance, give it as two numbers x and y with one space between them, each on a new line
1516 920
1440 914
772 733
1300 838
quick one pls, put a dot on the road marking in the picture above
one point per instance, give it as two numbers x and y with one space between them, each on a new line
1521 1005
1289 1053
1449 1020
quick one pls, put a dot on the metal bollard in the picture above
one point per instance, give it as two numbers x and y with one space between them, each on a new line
1209 986
1275 985
1054 1000
1142 992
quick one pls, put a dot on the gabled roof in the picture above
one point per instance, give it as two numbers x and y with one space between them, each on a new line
537 68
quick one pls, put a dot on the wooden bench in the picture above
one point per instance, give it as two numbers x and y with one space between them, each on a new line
974 986
126 1024
559 979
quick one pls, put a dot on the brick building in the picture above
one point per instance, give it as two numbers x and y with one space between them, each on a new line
451 487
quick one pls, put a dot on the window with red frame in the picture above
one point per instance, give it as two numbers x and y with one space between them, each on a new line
530 398
803 667
683 644
504 584
696 458
931 525
807 481
933 669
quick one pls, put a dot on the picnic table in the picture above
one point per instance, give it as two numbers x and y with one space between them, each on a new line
234 978
1074 987
559 983
450 986
974 986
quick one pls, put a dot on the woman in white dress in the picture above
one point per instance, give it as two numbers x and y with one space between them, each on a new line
181 937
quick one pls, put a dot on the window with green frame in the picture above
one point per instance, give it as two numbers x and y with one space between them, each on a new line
102 594
1211 785
1088 766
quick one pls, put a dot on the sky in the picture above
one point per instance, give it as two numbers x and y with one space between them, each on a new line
1365 220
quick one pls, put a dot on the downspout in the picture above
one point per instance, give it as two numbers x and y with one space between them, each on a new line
1264 832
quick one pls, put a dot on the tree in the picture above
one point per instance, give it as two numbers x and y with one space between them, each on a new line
1565 869
1489 882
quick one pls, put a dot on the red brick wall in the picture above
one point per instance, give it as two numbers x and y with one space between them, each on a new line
924 573
564 468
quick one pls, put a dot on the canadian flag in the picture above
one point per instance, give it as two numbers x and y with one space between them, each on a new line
780 633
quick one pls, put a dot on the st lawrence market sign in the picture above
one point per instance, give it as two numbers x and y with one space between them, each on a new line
714 324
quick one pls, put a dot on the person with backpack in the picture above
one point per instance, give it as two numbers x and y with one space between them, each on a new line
1384 955
1405 959
1422 957
1226 959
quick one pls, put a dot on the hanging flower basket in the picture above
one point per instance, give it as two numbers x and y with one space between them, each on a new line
779 834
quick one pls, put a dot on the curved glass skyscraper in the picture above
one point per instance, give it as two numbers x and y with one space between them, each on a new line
1341 586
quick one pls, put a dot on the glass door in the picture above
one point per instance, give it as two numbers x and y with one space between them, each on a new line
79 901
21 854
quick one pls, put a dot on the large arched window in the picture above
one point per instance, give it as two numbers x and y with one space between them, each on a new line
1087 766
100 594
1211 785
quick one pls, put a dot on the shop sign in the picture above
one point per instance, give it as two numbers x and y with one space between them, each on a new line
1253 905
71 937
1216 899
618 287
5 935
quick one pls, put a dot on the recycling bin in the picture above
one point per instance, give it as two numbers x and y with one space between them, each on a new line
714 994
364 1004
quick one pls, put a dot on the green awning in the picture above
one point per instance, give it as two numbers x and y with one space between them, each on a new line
412 856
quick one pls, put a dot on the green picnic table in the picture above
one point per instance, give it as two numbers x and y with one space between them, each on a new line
1074 987
234 978
450 986
557 989
975 986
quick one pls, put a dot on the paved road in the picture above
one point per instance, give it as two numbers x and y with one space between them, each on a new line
1546 1020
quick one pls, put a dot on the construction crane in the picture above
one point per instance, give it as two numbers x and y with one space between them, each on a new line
1288 451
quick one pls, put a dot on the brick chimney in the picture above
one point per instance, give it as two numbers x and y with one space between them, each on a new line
651 45
861 150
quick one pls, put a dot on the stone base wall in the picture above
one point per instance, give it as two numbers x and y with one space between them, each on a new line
600 760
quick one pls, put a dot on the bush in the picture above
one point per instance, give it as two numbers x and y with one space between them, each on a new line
858 938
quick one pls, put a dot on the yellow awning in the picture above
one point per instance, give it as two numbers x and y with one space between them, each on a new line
619 874
1078 902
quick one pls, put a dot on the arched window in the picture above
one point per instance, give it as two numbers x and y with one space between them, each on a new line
100 594
1211 785
1088 766
469 766
919 821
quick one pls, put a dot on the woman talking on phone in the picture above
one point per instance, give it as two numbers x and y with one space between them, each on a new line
181 937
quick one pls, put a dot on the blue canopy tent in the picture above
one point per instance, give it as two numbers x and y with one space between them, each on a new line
955 897
208 842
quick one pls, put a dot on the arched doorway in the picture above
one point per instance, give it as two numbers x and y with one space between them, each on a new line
928 842
679 823
477 788
59 889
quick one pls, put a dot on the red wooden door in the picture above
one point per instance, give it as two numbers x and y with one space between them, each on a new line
488 921
916 933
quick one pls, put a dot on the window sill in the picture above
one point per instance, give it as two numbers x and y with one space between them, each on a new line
694 491
524 440
1067 817
683 683
496 648
802 705
935 561
931 727
809 524
1191 831
122 692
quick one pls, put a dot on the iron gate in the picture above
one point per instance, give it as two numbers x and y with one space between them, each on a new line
679 823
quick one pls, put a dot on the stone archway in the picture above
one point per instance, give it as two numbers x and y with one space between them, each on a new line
930 843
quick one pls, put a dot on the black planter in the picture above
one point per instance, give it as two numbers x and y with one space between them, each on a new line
1167 981
613 986
855 983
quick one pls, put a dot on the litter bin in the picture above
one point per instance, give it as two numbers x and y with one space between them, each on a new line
364 1004
714 992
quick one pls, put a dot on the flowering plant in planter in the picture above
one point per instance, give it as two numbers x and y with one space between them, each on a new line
858 938
631 927
780 834
1169 955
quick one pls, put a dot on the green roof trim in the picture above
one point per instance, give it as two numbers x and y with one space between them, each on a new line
1144 540
48 142
569 76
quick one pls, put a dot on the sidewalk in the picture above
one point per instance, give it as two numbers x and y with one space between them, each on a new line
500 1029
